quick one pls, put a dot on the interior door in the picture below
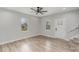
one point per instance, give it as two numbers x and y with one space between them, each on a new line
59 29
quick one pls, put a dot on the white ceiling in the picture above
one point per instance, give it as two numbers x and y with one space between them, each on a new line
51 10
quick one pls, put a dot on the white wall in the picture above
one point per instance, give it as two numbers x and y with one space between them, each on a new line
10 26
54 19
70 21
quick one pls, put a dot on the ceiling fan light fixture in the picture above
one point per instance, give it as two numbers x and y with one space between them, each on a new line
39 10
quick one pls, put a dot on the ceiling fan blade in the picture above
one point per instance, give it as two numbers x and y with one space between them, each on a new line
33 9
41 8
43 11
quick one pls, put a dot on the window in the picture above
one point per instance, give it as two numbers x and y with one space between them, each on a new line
24 26
48 27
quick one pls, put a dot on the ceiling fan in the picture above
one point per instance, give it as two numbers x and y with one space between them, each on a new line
38 10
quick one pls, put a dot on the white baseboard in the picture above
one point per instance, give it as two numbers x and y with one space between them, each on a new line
76 36
55 37
17 39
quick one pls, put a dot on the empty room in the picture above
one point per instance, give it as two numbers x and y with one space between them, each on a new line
39 29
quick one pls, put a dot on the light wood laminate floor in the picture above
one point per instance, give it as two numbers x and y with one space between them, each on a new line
40 44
